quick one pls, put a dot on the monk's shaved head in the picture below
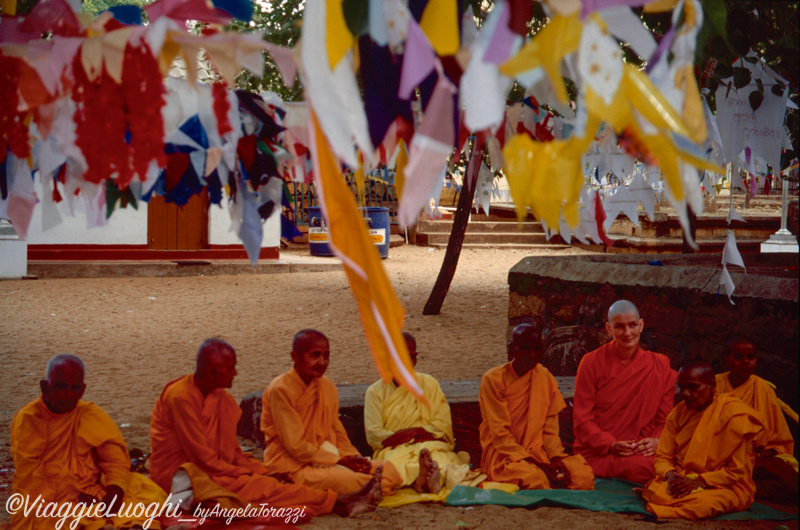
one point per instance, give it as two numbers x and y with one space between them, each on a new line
61 360
305 339
737 342
212 352
696 384
700 370
622 307
526 333
63 387
411 345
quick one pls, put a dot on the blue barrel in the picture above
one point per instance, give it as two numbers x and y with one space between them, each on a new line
379 229
318 233
377 223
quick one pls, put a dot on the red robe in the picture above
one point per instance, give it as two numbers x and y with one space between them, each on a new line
616 401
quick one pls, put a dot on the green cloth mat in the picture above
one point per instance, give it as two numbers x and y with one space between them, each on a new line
609 495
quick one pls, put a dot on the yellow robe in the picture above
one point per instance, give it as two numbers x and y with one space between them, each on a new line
60 456
717 445
389 408
759 394
520 420
306 438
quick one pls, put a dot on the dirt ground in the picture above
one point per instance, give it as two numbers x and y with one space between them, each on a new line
136 334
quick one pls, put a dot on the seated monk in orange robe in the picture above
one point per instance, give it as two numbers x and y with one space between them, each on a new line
300 421
520 402
776 467
193 432
70 451
622 397
704 462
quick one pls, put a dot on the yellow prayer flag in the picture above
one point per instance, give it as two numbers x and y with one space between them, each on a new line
381 312
338 38
440 23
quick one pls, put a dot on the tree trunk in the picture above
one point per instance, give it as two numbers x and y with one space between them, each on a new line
434 304
687 249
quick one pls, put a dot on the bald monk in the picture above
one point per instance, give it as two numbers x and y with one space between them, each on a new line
300 421
776 467
70 451
520 402
623 394
704 462
417 439
193 432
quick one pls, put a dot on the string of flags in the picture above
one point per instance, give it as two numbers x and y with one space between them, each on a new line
89 107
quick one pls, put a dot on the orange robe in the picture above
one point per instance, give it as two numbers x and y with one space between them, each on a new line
716 445
186 428
759 394
306 438
776 477
616 401
520 420
61 456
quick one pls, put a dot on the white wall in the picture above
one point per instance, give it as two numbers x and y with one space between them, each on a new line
126 226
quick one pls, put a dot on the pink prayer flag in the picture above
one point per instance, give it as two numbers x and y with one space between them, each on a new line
20 212
502 42
418 60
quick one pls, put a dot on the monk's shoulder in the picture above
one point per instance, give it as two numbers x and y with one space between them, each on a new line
328 387
764 385
89 411
738 417
493 378
427 379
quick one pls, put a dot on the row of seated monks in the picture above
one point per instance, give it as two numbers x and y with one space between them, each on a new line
725 443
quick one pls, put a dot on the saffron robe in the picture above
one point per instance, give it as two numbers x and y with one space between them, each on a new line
520 420
306 438
776 477
389 408
715 445
60 456
186 428
621 401
760 395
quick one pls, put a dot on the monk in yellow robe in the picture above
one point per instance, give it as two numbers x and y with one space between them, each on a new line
520 402
193 433
417 439
300 421
70 451
704 462
776 467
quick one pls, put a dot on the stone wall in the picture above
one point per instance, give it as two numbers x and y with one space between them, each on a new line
685 316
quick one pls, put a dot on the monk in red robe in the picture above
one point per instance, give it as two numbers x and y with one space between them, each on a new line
704 462
623 395
193 435
69 451
300 421
775 470
520 402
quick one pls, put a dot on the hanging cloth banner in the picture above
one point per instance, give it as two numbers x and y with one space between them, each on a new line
381 312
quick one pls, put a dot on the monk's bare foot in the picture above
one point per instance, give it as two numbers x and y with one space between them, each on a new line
638 491
425 460
435 478
430 477
364 500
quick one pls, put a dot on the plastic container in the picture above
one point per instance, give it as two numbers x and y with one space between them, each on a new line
377 222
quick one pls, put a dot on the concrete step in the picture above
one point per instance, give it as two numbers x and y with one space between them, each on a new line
481 226
708 226
668 245
505 246
491 238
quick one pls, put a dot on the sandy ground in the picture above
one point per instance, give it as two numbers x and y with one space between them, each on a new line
136 334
